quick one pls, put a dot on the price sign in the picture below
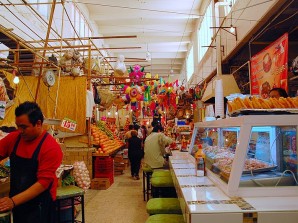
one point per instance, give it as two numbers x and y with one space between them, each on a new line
69 124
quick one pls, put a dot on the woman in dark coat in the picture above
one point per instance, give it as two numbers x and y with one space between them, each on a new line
135 154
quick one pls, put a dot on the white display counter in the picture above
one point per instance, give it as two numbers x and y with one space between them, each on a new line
202 201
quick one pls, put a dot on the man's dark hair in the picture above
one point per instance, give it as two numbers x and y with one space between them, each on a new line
157 128
32 110
136 127
282 92
130 127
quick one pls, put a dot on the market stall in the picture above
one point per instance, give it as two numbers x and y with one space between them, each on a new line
238 187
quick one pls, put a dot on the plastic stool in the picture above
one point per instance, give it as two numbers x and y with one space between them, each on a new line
165 218
162 184
147 172
163 206
75 195
161 173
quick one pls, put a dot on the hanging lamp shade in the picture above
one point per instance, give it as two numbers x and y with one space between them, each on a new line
229 87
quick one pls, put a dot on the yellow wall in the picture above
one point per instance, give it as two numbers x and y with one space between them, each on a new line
71 99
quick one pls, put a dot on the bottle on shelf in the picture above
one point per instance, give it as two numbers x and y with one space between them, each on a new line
200 162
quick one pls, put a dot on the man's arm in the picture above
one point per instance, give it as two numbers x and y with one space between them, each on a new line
164 141
7 203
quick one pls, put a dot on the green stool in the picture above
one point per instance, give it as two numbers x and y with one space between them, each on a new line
73 194
162 187
165 218
161 173
163 206
147 172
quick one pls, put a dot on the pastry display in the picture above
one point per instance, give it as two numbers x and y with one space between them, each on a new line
222 158
260 103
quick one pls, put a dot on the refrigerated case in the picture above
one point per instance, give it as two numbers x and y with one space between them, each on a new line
254 155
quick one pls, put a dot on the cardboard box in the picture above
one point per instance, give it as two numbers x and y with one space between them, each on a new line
118 172
100 183
118 158
121 164
119 168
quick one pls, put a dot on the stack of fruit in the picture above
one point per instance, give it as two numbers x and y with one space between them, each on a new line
105 143
103 127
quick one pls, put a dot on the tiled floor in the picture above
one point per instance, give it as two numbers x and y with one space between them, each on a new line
121 203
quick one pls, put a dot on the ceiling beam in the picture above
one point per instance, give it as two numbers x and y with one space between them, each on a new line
84 38
150 39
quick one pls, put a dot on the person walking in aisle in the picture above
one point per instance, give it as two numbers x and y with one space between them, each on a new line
34 159
135 154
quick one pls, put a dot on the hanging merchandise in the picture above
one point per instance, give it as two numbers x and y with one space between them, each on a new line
72 63
133 94
97 98
136 73
119 102
3 92
120 68
200 90
147 93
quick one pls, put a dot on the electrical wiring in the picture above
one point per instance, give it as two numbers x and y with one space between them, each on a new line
165 11
173 61
283 173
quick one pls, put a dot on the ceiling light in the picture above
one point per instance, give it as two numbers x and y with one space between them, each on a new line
109 113
16 80
232 29
148 56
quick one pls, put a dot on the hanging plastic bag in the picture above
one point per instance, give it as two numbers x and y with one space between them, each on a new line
120 68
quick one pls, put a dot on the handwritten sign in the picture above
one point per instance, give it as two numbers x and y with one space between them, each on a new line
69 124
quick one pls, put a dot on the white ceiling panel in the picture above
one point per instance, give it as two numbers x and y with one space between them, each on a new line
163 28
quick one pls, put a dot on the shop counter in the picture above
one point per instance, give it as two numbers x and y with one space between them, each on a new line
202 201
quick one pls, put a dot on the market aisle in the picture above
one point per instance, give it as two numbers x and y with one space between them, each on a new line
121 203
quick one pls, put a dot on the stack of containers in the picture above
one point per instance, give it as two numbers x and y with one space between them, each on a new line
104 168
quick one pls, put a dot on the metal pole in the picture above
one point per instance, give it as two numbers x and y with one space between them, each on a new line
45 45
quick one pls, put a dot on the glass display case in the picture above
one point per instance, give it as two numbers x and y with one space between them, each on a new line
250 155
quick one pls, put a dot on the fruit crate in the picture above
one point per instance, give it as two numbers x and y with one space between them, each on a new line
103 164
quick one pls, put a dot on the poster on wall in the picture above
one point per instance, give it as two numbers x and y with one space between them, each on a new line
269 68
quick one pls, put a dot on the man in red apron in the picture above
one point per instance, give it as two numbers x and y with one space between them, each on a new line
34 158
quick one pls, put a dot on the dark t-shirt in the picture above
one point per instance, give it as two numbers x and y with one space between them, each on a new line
135 147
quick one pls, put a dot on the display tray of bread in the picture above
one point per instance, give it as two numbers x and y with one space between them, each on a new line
258 106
